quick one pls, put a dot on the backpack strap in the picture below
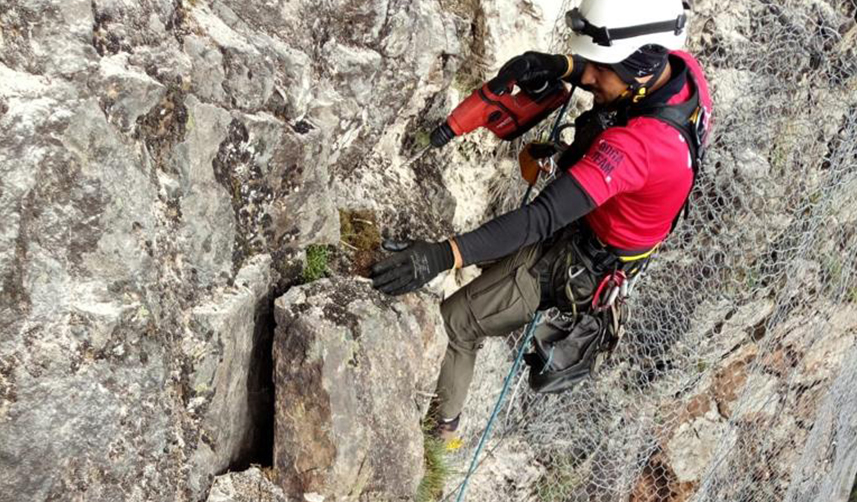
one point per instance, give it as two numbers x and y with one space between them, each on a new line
685 117
689 119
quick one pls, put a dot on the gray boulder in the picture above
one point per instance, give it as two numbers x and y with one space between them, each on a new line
352 368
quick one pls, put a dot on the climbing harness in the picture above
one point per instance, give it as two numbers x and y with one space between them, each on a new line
580 334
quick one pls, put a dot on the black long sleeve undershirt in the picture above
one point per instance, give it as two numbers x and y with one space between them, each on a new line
561 202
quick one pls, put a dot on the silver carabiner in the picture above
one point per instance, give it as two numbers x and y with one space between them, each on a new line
573 275
633 283
611 299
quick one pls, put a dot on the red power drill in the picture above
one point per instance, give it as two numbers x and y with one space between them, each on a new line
505 114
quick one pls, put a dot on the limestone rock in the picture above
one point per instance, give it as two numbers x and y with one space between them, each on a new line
126 93
161 162
693 445
351 367
749 389
509 473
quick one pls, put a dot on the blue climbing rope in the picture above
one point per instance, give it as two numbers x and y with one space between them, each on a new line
531 328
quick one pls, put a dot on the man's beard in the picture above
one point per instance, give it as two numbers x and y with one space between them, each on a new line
599 99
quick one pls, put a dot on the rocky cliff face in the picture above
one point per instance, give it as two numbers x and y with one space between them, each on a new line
163 165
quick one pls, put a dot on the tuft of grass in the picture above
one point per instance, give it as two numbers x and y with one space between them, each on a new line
853 497
317 257
360 233
833 269
437 469
752 278
359 229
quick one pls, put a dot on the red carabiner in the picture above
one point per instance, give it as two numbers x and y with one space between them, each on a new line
614 282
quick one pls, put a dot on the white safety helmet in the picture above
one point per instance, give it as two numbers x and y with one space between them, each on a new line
608 31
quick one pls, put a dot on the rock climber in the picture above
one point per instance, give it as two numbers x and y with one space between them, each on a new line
623 183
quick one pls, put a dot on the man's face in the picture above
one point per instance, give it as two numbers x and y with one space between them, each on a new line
603 83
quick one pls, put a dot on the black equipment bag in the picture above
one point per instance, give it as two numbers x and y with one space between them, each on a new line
573 343
568 349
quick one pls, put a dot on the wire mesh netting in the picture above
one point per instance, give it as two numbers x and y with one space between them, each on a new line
737 377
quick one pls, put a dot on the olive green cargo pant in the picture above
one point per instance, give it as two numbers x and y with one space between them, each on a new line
504 298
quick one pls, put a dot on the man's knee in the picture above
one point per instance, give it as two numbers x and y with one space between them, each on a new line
492 305
463 332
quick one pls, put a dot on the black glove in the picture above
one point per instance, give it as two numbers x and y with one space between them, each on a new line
532 68
414 264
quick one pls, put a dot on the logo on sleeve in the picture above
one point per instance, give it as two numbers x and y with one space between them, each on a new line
607 158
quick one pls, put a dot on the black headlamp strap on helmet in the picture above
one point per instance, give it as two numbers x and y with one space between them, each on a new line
605 36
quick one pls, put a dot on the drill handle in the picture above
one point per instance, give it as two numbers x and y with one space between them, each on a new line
537 89
501 84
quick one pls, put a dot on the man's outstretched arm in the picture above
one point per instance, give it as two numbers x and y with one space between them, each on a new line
415 263
560 203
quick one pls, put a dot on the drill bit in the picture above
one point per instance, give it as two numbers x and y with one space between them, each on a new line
416 157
